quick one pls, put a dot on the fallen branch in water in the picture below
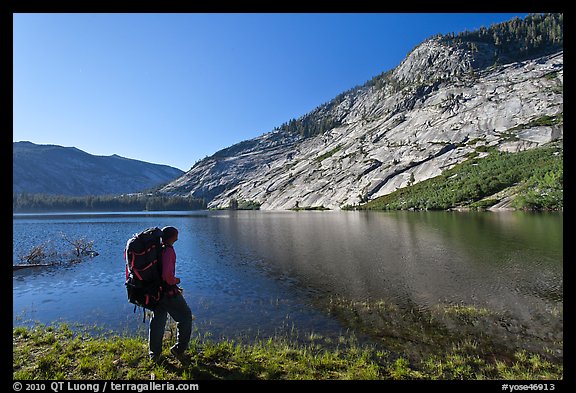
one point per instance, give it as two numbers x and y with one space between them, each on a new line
23 266
42 256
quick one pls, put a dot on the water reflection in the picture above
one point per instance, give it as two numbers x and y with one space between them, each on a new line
263 271
505 261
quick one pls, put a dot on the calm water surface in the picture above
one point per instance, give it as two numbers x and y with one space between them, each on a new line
256 273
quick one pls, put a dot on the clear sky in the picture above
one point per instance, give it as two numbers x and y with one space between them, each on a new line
174 88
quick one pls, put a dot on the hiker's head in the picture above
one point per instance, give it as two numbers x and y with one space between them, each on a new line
169 235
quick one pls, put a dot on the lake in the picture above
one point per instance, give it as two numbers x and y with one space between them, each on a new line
259 273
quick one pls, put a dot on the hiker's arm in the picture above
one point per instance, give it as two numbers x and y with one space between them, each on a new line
169 266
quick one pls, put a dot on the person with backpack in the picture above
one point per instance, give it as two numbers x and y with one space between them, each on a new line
172 302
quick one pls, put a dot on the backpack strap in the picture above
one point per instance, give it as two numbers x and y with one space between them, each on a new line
143 312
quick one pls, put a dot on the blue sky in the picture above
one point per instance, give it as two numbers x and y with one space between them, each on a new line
174 88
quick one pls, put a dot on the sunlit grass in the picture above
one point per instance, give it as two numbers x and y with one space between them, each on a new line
57 352
466 310
450 341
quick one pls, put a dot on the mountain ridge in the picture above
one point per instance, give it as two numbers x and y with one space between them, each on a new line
450 97
59 170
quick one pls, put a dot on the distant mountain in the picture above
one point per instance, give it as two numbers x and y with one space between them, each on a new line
454 97
58 170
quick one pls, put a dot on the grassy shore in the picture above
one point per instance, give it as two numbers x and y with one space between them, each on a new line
60 352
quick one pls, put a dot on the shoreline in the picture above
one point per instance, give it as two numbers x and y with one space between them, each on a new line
56 352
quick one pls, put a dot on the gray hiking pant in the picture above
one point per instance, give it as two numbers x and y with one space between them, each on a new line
180 312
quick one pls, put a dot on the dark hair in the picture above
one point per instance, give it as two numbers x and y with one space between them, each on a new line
168 233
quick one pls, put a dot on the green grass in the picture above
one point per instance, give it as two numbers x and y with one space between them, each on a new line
453 341
58 352
55 352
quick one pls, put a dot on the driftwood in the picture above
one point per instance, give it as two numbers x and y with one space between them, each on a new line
39 254
89 253
25 265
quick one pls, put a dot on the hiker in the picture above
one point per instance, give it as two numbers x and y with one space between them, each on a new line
172 303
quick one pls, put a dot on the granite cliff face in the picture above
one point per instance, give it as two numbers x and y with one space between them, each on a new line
442 103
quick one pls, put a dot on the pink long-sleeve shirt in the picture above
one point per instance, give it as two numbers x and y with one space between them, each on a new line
169 265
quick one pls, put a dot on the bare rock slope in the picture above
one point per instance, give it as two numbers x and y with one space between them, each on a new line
442 103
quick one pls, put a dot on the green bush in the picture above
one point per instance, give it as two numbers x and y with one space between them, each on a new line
536 173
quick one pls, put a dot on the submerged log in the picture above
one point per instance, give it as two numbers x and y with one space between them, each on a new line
23 266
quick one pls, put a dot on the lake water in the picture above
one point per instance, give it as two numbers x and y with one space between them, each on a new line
258 273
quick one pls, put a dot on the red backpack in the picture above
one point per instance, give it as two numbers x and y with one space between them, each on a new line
143 256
